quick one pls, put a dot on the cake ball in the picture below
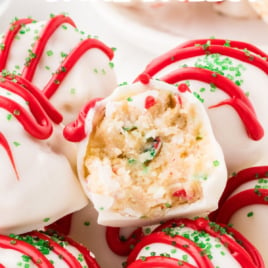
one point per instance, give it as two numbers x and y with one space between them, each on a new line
67 64
244 206
230 79
44 249
149 154
194 243
37 183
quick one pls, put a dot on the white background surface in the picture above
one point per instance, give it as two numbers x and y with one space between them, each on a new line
136 44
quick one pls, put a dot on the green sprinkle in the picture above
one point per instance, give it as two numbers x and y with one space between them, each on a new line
63 54
9 117
46 219
129 99
64 27
87 223
72 91
227 43
111 64
250 214
167 205
16 143
2 46
216 163
131 160
49 53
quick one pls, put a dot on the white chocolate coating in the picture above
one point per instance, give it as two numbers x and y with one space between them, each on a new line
228 128
92 75
46 188
251 220
12 257
105 189
220 255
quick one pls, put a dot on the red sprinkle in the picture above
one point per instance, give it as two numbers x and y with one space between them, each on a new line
183 88
144 78
149 102
180 193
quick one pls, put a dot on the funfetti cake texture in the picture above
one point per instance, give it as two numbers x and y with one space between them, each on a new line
230 79
44 249
149 154
67 64
194 243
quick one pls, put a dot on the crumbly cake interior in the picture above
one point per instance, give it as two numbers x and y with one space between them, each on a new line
149 159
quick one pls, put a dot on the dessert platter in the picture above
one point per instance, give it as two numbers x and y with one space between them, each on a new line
118 153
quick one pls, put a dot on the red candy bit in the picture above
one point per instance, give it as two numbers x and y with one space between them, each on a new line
149 102
144 78
180 193
183 88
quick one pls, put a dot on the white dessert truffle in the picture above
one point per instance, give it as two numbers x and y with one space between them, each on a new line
194 243
150 154
230 79
244 205
37 183
44 249
68 65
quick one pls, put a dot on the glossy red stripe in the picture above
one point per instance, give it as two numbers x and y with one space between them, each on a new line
36 256
40 44
9 38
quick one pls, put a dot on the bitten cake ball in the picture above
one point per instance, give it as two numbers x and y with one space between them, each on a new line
67 64
230 79
150 154
44 249
194 243
37 183
244 204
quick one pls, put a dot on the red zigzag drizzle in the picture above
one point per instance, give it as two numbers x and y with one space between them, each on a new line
235 49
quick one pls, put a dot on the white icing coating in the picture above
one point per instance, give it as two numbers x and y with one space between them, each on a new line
228 128
251 221
91 76
15 258
46 188
104 199
220 255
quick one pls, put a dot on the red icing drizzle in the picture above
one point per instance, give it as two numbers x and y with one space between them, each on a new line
41 260
75 131
240 248
40 45
238 100
59 250
191 50
239 50
159 261
36 256
9 38
121 246
37 123
4 143
230 205
70 61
